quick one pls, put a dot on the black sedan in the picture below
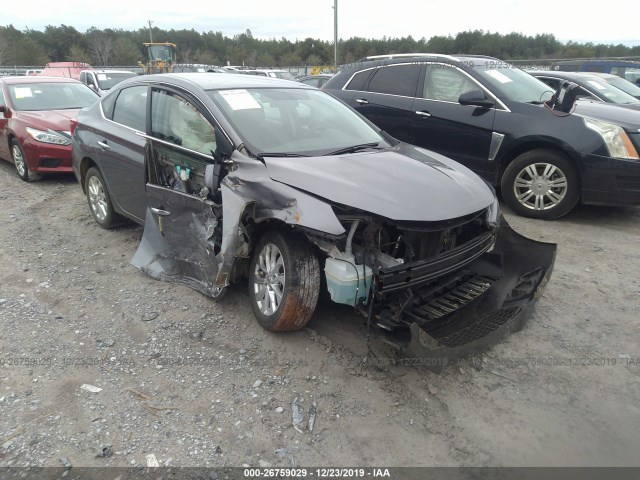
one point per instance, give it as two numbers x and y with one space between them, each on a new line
591 87
242 177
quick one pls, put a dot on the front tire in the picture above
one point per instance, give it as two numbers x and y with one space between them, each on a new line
20 162
284 281
542 184
99 200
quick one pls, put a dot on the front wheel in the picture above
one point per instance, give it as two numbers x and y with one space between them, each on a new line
284 281
20 163
541 184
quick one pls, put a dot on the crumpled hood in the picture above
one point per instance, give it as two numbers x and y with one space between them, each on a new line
404 183
57 120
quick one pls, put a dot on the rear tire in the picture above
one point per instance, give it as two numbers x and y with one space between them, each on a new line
20 162
284 281
542 184
99 200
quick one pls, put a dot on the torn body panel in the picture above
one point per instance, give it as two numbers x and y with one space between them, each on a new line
179 240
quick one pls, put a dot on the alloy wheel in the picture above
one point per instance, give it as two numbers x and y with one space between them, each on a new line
18 159
540 186
269 279
97 199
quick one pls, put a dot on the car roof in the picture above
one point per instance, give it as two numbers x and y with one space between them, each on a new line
465 59
222 81
37 79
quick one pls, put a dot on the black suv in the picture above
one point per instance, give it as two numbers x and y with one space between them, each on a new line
494 118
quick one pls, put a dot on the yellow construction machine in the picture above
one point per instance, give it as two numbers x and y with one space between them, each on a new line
160 57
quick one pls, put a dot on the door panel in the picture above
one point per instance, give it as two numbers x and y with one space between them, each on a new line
440 123
121 151
178 243
121 154
387 97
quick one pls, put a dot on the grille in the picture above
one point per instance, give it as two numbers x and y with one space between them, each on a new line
454 300
481 328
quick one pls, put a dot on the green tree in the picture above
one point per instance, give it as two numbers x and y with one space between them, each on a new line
126 52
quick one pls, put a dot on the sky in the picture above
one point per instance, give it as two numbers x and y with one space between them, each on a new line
299 19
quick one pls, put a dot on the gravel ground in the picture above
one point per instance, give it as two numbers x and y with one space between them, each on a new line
199 383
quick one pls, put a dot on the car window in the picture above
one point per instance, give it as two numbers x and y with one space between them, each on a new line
395 80
552 82
2 102
358 80
51 96
109 80
175 120
108 103
314 82
284 75
445 83
131 108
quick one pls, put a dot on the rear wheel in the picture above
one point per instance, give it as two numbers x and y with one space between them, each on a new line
284 281
99 201
20 163
541 184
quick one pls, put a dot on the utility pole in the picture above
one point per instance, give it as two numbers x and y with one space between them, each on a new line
335 34
150 34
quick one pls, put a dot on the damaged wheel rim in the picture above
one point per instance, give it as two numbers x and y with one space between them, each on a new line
540 186
97 199
269 279
18 159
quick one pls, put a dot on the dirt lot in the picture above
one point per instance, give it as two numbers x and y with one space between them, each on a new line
199 383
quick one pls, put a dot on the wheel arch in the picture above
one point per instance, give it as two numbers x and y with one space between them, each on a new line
85 164
515 150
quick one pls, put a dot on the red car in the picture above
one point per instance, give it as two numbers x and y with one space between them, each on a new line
35 119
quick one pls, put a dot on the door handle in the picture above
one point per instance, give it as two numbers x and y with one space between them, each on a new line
160 212
422 113
362 101
104 145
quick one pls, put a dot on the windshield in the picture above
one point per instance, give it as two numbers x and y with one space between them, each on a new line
291 121
609 92
51 96
162 53
514 84
625 86
108 80
284 75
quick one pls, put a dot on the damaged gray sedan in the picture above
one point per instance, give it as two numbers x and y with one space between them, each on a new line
247 179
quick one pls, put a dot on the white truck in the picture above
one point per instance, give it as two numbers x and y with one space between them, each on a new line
102 80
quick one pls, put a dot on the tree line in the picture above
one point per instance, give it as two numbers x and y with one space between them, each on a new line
123 47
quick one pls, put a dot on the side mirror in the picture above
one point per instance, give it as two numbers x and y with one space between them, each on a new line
476 98
4 110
